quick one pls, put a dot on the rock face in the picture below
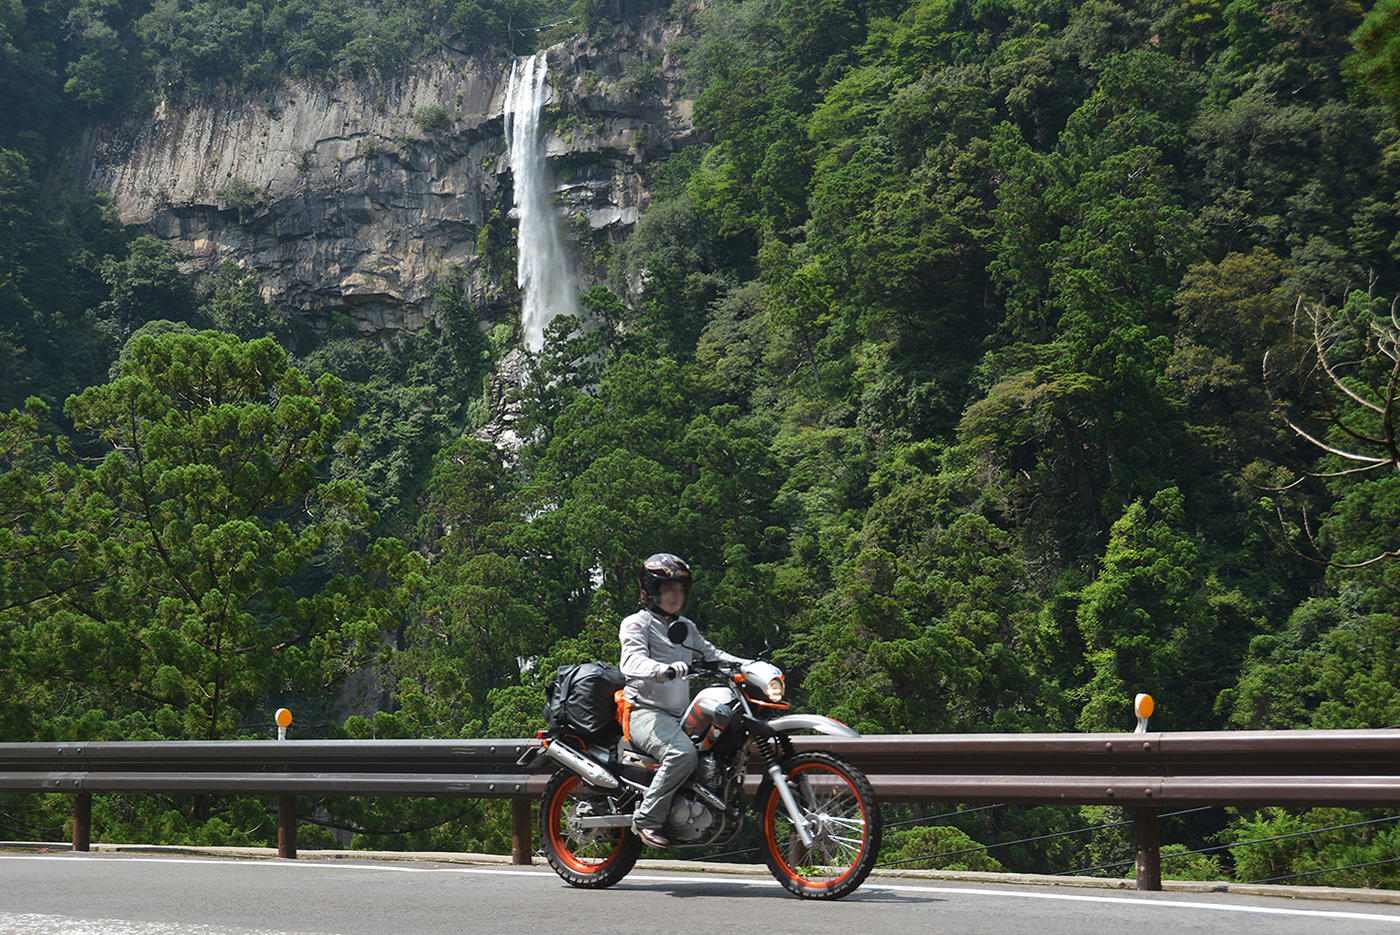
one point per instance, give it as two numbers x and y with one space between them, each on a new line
351 198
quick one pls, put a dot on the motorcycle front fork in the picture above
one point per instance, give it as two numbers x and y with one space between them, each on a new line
799 821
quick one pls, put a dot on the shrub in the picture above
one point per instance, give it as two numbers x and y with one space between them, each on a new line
432 119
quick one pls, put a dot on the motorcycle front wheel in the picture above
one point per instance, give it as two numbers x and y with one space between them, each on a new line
587 857
839 804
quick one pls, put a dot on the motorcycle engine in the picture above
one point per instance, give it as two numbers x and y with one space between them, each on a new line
707 771
689 820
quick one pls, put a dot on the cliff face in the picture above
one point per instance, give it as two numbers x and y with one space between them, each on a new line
350 198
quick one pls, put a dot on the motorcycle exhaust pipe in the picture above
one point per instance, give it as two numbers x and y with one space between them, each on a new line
595 774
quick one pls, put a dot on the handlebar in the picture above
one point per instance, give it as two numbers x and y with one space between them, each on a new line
718 667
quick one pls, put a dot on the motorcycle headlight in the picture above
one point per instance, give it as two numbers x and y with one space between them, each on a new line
764 682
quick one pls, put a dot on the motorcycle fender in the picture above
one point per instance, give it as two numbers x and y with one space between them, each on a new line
789 723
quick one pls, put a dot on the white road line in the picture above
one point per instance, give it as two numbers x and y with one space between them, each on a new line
1144 901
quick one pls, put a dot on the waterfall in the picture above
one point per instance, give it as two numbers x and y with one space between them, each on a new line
542 272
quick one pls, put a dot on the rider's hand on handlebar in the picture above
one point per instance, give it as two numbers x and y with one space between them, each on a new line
676 670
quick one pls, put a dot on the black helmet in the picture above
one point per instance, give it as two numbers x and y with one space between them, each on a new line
657 569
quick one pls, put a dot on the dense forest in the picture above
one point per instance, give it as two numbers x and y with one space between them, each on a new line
991 361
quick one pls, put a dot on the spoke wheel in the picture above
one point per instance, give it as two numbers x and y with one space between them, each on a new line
588 857
838 802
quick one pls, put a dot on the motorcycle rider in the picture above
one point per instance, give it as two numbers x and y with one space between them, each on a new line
658 647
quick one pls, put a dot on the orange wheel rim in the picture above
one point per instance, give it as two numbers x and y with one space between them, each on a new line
561 844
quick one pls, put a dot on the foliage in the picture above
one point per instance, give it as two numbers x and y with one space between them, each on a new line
1304 848
1376 61
1155 620
1178 863
146 285
412 394
923 848
88 55
188 563
938 353
237 306
432 119
51 277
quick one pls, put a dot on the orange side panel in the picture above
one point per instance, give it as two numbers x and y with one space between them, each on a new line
624 713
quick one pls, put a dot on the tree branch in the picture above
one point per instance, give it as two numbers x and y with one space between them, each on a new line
1326 397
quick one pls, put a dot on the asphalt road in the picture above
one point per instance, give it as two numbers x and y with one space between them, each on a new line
118 894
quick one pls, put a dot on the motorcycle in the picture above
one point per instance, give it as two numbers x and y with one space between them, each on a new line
819 820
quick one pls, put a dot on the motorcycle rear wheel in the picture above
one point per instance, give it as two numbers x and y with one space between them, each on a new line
839 802
588 857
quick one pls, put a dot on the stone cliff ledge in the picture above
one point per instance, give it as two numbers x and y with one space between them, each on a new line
351 197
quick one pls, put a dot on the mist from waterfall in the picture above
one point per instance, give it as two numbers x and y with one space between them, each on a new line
543 271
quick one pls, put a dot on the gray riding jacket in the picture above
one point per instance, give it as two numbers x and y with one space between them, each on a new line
647 651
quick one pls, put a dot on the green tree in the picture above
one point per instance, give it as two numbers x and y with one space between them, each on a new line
48 279
237 305
100 69
1376 61
1155 620
41 556
1276 843
221 523
476 625
936 848
1330 666
1230 315
146 285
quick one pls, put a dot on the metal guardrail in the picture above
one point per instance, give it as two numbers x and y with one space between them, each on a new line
406 768
1144 771
1348 768
475 768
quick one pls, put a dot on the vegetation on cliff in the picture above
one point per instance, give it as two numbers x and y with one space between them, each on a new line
941 358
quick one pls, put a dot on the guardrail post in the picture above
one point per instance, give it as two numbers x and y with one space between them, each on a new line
520 838
1147 848
287 826
82 821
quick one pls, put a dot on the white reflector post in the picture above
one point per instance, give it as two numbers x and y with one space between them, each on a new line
1143 706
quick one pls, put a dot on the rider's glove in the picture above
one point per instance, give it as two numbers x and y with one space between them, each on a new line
676 670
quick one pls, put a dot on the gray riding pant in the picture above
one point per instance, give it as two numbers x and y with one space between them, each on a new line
658 734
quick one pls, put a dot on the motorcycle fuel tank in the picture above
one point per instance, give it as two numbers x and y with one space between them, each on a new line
707 717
